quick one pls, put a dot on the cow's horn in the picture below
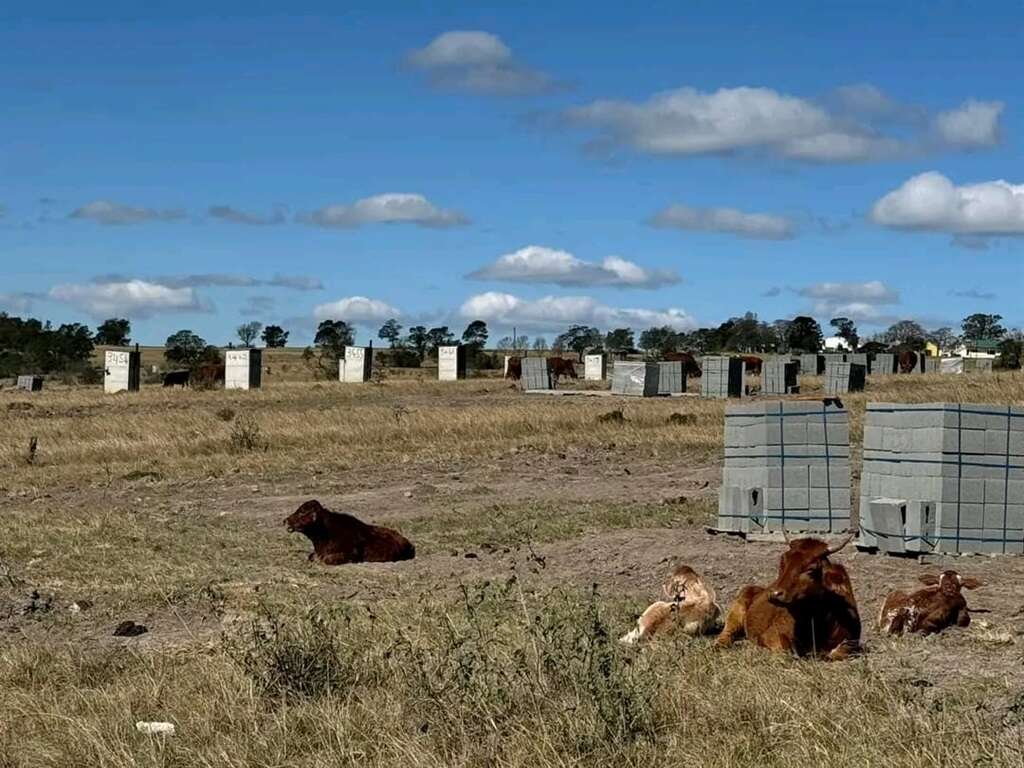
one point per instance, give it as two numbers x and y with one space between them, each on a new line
836 547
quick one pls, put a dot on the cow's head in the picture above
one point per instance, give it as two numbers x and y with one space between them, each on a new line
802 570
950 582
305 517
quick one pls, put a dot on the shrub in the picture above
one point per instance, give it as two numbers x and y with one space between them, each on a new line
246 436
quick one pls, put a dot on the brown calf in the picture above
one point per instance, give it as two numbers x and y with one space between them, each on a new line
339 538
809 610
939 605
687 602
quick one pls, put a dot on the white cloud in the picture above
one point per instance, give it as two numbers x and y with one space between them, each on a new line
873 292
863 124
867 302
132 298
228 213
356 309
476 61
930 201
552 313
17 303
974 124
391 208
221 280
539 264
726 220
109 213
295 282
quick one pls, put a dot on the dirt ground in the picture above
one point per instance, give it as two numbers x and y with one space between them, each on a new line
452 509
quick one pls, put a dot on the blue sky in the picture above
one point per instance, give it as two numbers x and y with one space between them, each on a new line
197 165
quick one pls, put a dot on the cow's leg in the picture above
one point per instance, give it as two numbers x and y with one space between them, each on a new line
963 617
653 620
334 558
735 621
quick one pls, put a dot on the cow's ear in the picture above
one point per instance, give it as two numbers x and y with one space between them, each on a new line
929 578
971 583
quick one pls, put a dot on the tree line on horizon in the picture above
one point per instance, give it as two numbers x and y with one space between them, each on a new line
34 346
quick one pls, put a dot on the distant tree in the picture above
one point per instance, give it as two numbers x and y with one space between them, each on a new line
579 339
418 341
846 330
390 332
30 345
980 326
780 329
905 333
944 338
332 336
540 344
619 341
522 343
506 343
873 347
657 342
1011 352
746 334
475 334
439 337
275 336
185 348
248 333
804 335
114 332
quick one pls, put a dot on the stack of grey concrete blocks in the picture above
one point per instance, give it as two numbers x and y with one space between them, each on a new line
723 377
860 358
535 373
978 364
779 377
812 365
884 364
942 477
927 363
787 468
671 379
635 379
841 378
30 383
243 369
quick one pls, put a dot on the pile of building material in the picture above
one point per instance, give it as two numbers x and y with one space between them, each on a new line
860 358
723 377
451 363
978 364
243 369
30 383
779 377
636 379
841 378
927 363
952 365
671 379
594 368
787 468
812 365
356 366
536 375
884 364
122 371
943 477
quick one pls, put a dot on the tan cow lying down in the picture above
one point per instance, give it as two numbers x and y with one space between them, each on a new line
687 603
939 605
339 538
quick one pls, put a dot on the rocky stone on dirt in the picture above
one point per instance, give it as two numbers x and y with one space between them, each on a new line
155 728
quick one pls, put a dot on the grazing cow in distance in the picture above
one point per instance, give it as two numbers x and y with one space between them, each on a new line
809 610
514 370
687 602
907 361
339 538
691 368
560 366
753 364
177 378
939 605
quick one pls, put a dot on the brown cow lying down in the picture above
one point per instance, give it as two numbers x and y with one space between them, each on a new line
928 610
339 538
687 602
809 610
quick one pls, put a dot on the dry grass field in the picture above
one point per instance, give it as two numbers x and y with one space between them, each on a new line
541 533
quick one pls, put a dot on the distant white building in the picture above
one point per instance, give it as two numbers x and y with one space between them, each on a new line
837 344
